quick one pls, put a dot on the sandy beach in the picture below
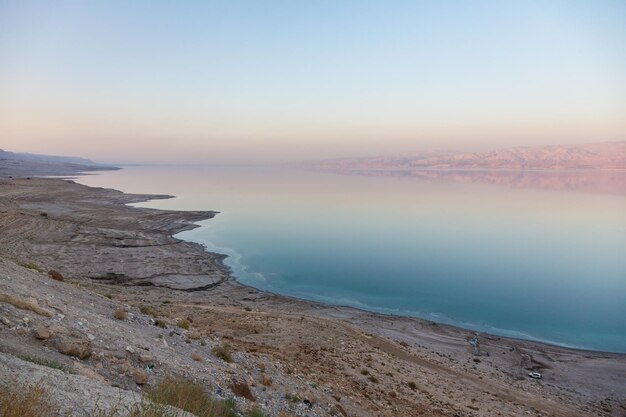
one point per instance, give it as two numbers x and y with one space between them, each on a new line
342 361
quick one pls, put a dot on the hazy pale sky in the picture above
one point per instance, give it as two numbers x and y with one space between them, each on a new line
238 81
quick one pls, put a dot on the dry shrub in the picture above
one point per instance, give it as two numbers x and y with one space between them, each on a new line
148 310
223 352
196 357
56 275
184 324
24 304
23 400
189 396
120 314
194 335
144 408
241 389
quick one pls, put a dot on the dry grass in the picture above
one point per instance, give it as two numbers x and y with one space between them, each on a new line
149 311
256 412
24 304
120 314
242 389
22 400
224 352
32 266
184 324
196 357
189 396
195 335
48 363
56 275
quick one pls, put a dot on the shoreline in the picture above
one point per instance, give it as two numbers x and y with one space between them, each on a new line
220 257
471 327
94 238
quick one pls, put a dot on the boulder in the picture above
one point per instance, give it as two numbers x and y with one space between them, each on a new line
42 333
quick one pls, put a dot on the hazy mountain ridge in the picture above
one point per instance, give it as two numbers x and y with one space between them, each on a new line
606 155
45 158
26 165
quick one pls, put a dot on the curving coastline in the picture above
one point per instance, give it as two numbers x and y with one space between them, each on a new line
94 238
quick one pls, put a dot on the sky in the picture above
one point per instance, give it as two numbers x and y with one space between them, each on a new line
277 81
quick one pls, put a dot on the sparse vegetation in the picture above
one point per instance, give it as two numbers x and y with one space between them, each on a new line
184 324
196 357
32 266
56 275
412 385
256 412
148 310
293 398
224 352
189 396
242 389
22 400
48 363
365 372
120 313
161 324
144 409
24 304
194 335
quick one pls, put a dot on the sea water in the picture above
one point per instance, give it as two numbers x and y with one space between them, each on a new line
533 258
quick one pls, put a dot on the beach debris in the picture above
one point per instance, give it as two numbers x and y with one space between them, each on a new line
474 342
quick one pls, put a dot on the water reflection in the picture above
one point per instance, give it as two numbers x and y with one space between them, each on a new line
589 181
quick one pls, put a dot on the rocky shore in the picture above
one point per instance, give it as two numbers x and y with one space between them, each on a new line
132 305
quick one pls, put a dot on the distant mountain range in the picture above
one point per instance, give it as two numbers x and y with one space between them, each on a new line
45 158
27 164
606 155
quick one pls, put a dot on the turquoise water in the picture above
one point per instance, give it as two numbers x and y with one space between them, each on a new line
541 262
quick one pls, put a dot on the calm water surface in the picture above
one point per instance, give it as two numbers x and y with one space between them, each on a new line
524 262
